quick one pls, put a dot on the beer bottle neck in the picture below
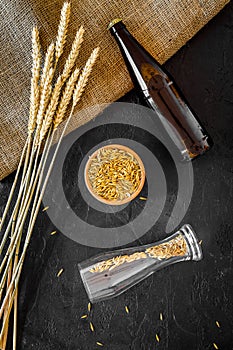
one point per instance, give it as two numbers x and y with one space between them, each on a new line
135 56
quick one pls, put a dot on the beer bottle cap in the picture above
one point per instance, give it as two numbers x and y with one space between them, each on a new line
113 22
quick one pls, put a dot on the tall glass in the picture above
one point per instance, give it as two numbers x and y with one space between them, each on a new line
110 274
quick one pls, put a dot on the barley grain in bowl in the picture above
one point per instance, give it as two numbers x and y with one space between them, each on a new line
114 174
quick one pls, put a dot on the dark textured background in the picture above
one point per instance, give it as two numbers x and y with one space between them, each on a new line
191 296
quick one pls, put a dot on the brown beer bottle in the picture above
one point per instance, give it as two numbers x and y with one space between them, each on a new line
161 94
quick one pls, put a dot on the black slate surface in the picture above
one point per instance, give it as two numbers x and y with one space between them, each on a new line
191 296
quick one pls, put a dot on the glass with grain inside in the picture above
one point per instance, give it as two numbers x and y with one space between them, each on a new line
109 274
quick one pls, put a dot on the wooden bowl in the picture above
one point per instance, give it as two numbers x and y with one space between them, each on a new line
115 201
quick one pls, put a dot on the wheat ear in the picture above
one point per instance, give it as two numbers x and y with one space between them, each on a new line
47 122
84 76
48 64
73 53
35 92
62 30
66 98
60 81
45 95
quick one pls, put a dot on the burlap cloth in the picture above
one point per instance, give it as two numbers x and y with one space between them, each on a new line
162 26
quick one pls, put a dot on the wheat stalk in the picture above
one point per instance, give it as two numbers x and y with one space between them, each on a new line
45 95
19 225
48 106
4 342
16 297
62 30
20 200
25 203
14 240
79 90
6 319
12 192
34 103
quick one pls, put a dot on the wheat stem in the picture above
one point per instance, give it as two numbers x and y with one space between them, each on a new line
15 239
43 103
77 95
4 239
41 173
17 272
19 221
23 212
13 186
5 321
5 333
18 268
16 297
22 217
5 318
21 188
79 90
64 103
16 293
34 102
34 98
47 110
